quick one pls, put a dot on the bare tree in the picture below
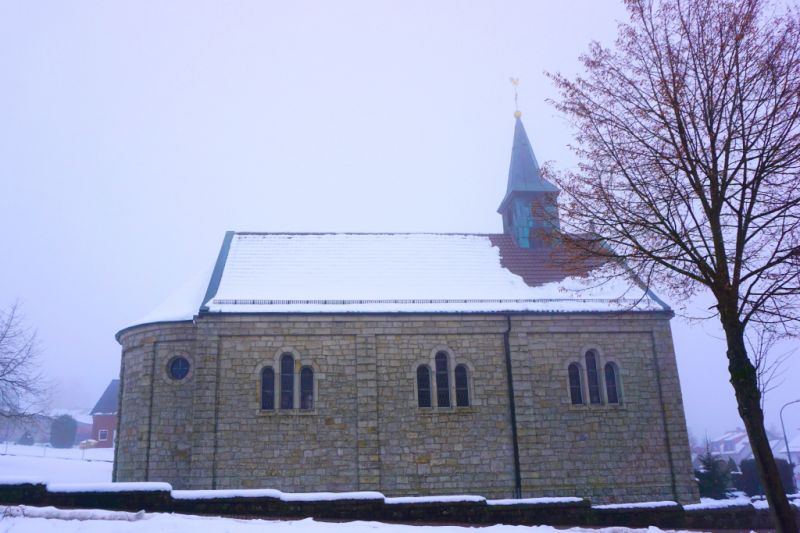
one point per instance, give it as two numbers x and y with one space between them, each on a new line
761 347
22 386
688 137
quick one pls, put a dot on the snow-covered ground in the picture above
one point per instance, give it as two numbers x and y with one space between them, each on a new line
24 519
55 465
38 450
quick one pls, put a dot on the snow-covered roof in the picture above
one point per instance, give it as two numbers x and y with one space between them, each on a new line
397 272
736 440
794 445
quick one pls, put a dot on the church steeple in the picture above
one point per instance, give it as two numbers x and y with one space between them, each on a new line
529 208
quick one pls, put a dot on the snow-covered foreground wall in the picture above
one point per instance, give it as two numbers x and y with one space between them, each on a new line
75 483
120 499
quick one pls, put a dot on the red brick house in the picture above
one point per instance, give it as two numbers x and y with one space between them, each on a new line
104 416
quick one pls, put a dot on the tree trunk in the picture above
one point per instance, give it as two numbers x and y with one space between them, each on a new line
748 399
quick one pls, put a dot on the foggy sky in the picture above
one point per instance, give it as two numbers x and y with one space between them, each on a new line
134 134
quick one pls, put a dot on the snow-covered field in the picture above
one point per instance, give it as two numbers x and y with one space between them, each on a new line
55 465
38 450
23 519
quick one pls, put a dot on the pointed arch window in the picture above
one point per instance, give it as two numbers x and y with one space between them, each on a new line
268 389
612 383
442 380
575 386
592 378
423 386
306 388
287 381
462 386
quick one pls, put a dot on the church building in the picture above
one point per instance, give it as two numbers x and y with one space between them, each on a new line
410 364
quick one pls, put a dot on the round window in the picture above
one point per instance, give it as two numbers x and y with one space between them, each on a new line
178 368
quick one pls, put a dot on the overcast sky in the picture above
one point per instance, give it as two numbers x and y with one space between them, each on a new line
134 134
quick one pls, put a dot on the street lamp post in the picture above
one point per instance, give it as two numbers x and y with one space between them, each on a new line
785 440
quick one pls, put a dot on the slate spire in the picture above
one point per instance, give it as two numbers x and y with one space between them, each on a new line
530 201
523 172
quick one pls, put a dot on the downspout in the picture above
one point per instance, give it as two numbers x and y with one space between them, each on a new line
513 410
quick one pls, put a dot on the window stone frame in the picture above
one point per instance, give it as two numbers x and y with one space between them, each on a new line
300 362
583 385
618 376
601 359
452 362
167 362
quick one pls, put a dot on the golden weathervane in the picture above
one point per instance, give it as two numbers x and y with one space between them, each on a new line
515 83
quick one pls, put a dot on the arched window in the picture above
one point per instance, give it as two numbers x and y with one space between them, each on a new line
575 389
612 387
268 388
287 381
423 386
592 378
462 386
442 380
306 388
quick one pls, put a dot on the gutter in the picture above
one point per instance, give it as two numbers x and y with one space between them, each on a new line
512 409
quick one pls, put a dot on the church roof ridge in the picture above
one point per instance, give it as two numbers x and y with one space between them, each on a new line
376 233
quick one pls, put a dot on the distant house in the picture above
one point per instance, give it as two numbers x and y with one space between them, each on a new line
735 445
104 416
35 429
732 445
794 450
83 431
31 429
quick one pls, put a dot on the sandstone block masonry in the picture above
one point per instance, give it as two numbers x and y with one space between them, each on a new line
366 431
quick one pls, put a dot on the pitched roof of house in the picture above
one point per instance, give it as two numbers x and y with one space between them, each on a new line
397 272
107 404
794 445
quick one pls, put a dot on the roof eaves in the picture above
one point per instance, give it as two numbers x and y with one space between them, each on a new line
646 288
118 335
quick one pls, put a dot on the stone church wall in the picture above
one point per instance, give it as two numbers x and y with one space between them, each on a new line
155 419
625 452
366 431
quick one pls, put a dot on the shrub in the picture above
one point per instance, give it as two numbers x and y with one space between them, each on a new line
62 432
751 484
714 477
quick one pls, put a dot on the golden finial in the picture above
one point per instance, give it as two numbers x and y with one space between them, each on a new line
515 83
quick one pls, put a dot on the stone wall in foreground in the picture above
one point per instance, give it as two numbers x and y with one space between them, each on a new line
473 510
366 432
